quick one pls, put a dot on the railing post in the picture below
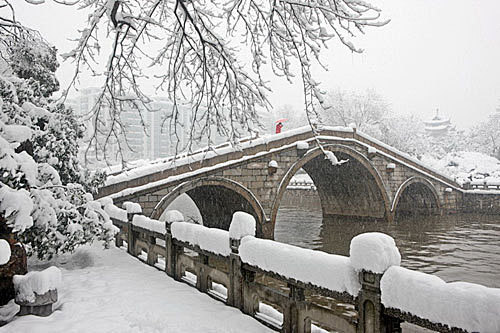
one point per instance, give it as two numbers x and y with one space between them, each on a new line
202 279
152 256
235 291
371 254
291 309
247 301
118 237
171 254
370 309
132 236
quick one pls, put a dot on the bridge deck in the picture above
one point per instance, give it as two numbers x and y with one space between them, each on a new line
164 171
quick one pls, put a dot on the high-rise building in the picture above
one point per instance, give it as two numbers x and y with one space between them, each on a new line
149 134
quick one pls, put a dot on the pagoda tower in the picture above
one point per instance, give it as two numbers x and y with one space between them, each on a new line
438 126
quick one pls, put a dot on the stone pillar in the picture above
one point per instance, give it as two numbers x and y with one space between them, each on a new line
202 279
371 254
152 256
247 299
171 254
291 310
118 239
370 308
132 236
42 306
235 290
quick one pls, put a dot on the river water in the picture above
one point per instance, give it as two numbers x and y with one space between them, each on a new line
453 247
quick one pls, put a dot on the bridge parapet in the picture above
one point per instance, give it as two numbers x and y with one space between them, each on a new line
257 277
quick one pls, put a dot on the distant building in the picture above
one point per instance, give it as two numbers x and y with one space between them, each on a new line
438 126
148 134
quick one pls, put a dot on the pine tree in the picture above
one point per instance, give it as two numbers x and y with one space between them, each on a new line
43 190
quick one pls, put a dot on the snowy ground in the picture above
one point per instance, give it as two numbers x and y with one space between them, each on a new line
110 291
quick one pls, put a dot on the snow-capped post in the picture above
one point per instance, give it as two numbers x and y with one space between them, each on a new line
372 152
242 224
391 167
272 167
302 147
170 248
132 209
371 254
37 291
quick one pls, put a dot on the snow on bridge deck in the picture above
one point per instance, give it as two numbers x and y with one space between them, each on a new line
163 171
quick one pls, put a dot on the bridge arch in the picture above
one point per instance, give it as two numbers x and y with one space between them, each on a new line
369 179
423 195
217 198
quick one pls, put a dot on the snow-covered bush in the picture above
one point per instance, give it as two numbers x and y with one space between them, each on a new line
42 188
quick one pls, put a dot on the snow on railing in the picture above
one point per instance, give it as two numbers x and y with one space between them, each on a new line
469 306
324 270
149 224
115 212
209 239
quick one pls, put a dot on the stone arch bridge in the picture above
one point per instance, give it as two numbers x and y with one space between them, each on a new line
376 183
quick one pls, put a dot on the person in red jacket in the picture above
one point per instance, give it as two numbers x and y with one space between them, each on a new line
279 126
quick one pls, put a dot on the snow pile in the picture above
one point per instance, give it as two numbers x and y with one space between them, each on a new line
466 166
302 145
329 155
16 206
301 178
472 307
149 224
269 314
173 215
374 251
36 282
132 207
273 164
4 252
208 239
325 270
372 150
105 201
243 224
9 311
115 212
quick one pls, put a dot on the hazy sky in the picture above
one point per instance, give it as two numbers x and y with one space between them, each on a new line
433 54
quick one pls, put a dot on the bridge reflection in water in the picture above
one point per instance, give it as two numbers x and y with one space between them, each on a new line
459 247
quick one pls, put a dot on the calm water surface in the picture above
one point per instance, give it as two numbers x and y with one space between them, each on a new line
453 247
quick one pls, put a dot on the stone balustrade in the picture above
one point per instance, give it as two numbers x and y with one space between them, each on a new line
282 303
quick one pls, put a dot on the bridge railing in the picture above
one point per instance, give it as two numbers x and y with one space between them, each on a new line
481 184
291 289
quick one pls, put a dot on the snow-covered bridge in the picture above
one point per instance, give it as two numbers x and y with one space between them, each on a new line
377 182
